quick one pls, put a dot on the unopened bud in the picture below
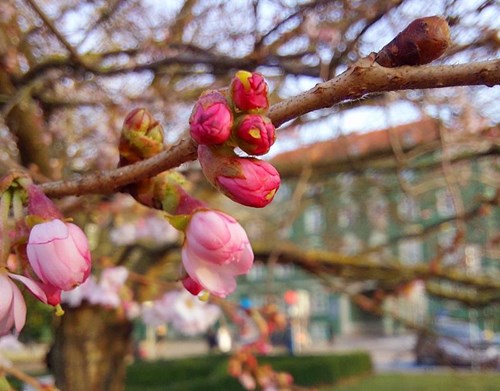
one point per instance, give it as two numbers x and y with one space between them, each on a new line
249 92
248 181
211 119
421 42
141 138
255 134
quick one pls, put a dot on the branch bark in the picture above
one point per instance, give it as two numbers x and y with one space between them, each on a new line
361 79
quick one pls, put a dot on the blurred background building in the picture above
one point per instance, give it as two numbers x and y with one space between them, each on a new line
396 198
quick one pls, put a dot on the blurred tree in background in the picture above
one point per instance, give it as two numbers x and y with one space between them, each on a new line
71 70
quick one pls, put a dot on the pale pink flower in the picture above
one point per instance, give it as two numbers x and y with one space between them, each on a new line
114 278
159 312
215 251
74 297
132 309
211 119
105 293
12 306
59 254
249 91
255 134
191 316
186 313
111 283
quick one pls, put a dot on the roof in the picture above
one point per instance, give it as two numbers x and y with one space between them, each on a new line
356 147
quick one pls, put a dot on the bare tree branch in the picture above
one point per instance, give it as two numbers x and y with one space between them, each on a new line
356 82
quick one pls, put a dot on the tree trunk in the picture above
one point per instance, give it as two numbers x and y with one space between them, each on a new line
90 348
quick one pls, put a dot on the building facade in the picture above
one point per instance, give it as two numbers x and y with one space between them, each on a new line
398 196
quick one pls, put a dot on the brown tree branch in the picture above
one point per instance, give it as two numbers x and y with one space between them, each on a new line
387 276
360 80
354 83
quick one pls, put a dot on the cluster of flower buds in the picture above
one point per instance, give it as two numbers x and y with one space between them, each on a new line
216 248
54 258
221 123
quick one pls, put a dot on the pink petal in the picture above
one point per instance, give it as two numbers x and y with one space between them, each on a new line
32 286
244 263
5 294
19 308
80 239
46 232
214 278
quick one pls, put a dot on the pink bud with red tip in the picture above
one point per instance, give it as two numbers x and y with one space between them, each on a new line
215 251
211 119
59 254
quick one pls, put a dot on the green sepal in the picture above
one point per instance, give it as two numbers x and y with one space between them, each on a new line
170 199
179 222
32 220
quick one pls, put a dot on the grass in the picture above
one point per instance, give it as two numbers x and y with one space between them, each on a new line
487 381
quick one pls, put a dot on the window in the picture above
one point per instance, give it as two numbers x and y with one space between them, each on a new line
410 251
445 204
319 298
319 331
408 208
257 272
283 272
347 215
351 244
313 219
284 193
473 258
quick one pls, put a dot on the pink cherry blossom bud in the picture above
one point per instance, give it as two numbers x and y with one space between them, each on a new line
255 134
59 254
211 119
248 181
256 186
12 306
215 251
249 91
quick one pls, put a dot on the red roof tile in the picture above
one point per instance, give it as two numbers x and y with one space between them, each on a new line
357 146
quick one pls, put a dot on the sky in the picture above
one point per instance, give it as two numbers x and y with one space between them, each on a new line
358 119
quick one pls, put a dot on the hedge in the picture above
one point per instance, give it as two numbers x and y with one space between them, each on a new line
210 372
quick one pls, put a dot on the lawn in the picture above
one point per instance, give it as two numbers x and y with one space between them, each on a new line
487 381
